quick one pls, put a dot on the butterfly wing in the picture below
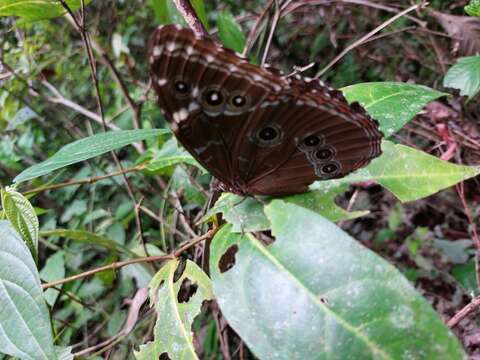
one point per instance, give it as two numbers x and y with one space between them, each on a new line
255 131
327 138
207 93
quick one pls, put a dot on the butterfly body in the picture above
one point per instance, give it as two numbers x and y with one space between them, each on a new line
257 132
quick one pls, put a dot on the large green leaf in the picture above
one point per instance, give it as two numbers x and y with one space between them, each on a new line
246 214
36 10
464 75
25 330
408 173
392 104
316 293
176 308
22 216
230 32
88 148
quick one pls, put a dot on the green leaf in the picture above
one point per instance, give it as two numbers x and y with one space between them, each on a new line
230 32
176 310
54 269
22 216
473 9
87 237
166 12
171 154
465 76
64 353
25 330
88 148
142 273
457 252
392 104
246 214
36 10
465 275
408 173
315 280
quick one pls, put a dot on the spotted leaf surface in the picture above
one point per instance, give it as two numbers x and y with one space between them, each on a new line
316 293
392 104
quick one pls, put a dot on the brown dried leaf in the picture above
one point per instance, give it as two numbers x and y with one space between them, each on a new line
464 30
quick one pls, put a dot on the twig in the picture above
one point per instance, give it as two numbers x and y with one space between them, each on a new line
296 5
117 265
467 310
276 18
253 34
188 13
90 180
367 36
135 108
93 71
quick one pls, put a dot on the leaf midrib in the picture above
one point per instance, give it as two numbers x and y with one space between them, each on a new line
372 346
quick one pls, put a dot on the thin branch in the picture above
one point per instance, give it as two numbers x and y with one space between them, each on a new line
190 16
467 310
90 180
93 71
276 18
253 34
117 265
135 108
367 36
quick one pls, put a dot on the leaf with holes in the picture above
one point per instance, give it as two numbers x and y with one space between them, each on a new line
22 216
247 214
36 10
392 104
230 32
88 148
465 75
315 280
25 329
177 291
408 173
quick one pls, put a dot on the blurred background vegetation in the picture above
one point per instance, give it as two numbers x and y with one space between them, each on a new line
47 99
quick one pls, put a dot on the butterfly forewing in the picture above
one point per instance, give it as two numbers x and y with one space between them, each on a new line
256 131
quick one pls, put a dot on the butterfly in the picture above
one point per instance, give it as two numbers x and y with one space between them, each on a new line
258 132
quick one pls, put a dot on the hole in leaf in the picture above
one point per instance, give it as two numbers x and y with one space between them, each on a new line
187 290
164 356
179 270
227 261
265 237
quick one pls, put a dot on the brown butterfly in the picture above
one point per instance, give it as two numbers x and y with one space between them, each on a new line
258 132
